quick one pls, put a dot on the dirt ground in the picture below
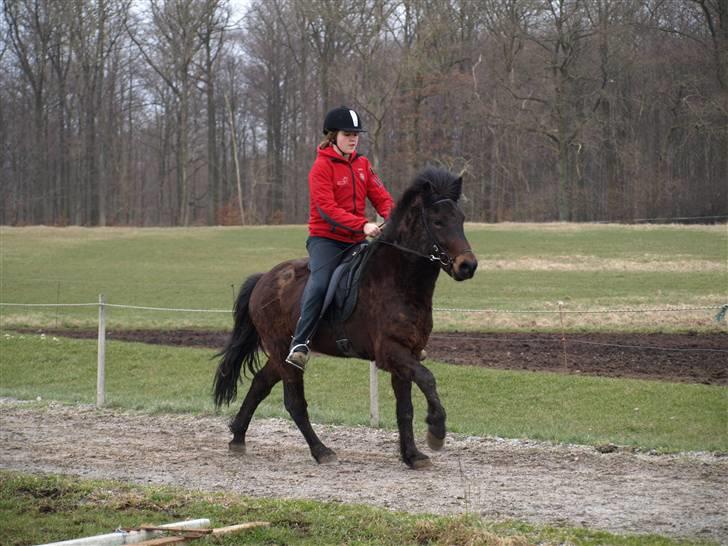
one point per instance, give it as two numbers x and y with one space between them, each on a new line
611 489
622 492
667 357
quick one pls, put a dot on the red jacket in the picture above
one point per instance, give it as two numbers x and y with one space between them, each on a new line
338 189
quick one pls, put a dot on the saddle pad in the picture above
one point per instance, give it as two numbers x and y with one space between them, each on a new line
343 290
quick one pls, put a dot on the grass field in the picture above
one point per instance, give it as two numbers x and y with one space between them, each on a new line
650 415
533 265
524 271
40 509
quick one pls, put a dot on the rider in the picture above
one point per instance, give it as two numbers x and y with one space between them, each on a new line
338 183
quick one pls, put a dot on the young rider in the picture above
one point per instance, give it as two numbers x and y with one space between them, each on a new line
339 183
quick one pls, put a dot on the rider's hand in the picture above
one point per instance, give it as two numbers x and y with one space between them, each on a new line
372 230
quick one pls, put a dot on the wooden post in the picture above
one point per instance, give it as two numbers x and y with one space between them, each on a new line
374 378
235 158
373 395
101 355
563 333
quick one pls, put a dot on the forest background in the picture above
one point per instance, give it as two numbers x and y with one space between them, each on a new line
201 112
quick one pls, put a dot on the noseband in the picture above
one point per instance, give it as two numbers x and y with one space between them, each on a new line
437 254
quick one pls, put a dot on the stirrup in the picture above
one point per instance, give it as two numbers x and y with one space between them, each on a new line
298 356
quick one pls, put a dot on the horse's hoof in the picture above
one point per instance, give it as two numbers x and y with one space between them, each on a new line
325 456
420 463
237 447
329 458
434 442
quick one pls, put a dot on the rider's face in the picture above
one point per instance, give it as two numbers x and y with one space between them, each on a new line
347 141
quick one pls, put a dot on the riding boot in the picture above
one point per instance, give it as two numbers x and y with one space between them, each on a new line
298 356
299 352
324 256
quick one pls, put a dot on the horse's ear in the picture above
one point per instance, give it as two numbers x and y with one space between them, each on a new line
457 188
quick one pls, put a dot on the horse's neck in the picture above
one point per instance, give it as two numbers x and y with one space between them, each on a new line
414 275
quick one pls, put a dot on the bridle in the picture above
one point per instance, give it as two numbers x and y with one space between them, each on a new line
438 254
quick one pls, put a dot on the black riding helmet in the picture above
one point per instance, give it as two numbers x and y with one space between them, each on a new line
343 118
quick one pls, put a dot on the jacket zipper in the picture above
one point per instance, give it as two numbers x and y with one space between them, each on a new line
353 186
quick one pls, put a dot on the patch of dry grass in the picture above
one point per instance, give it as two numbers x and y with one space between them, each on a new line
592 263
461 532
580 227
546 317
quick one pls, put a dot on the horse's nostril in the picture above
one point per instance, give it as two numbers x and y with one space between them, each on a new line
467 269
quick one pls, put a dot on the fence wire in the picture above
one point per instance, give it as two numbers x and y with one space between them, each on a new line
722 310
439 309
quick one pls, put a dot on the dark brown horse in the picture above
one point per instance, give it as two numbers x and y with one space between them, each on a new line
390 324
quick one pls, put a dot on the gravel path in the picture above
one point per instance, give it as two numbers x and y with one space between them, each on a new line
622 492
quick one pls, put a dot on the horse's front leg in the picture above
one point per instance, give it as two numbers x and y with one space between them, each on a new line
297 407
435 412
411 456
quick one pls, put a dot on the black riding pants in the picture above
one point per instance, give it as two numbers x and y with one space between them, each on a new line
324 255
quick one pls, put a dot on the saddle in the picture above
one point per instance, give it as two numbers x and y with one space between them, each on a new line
343 293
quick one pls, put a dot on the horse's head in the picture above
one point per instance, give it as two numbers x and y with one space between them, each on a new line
429 221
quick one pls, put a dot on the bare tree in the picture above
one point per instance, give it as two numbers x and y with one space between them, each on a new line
177 113
30 33
212 34
96 30
371 77
171 48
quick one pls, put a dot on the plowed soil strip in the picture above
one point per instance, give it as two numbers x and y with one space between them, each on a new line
667 357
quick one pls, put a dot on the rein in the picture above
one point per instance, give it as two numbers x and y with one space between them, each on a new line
437 253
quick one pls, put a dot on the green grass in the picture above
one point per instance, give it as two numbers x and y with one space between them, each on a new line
40 509
177 268
524 267
661 242
559 408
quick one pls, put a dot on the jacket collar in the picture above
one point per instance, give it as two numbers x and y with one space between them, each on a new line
331 154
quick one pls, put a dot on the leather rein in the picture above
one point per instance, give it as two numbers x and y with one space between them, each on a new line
437 254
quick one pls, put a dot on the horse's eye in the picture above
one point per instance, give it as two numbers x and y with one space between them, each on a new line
437 224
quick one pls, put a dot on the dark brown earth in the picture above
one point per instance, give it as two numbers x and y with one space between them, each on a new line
687 358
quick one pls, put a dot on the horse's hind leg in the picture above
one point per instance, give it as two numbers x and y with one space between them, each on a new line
411 456
297 407
260 388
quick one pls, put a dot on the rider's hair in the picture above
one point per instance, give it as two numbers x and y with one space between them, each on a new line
329 139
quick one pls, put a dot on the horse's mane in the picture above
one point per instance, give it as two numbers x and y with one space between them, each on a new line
430 185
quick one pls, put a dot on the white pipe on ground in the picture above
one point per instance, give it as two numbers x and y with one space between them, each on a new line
120 538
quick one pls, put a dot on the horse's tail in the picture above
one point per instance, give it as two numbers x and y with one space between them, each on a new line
241 349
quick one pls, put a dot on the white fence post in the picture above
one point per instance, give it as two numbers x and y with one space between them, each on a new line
373 395
101 355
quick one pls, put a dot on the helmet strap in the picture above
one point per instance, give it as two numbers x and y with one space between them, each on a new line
332 139
346 156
